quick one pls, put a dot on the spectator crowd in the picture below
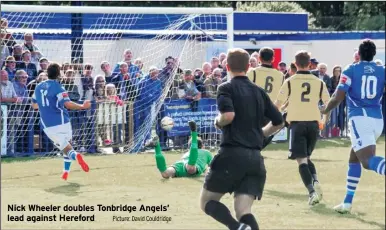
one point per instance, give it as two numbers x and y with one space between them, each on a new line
128 89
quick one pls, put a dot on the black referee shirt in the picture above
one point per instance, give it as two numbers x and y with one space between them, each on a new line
250 104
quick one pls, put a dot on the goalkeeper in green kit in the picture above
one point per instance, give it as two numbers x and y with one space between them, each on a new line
192 163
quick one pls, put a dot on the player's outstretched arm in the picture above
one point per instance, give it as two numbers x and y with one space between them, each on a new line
272 113
340 92
282 101
334 102
74 106
284 106
325 97
271 129
34 102
225 106
35 106
224 119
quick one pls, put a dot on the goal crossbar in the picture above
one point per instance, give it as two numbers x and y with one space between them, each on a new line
113 10
127 10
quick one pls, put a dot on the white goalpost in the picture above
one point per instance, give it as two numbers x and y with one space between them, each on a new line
82 38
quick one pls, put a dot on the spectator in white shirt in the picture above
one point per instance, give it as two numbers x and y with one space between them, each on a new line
35 52
8 94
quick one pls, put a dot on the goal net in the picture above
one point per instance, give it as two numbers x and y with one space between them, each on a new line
132 63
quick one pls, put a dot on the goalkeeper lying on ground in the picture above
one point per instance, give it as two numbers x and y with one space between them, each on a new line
192 163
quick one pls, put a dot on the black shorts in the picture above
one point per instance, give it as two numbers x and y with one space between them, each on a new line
303 136
236 169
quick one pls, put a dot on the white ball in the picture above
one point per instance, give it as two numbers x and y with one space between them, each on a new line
167 123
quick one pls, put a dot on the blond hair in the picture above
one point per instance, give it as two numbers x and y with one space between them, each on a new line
111 86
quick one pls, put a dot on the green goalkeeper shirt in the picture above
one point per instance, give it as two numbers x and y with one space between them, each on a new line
204 159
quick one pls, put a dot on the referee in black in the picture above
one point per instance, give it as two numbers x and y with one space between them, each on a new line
238 167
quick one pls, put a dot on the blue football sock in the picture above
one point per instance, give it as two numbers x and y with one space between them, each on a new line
67 164
377 164
72 154
353 176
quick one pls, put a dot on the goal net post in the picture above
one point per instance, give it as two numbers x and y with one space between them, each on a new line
85 40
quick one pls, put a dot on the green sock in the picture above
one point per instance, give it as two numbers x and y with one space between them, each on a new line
159 158
193 155
158 148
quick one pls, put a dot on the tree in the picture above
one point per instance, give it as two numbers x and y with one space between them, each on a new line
289 7
366 15
129 3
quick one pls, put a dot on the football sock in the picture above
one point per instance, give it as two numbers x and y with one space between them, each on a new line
377 164
353 176
221 213
67 164
159 158
306 177
72 154
158 148
312 169
193 155
250 220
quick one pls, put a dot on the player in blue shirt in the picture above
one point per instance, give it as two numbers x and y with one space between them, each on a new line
52 101
362 84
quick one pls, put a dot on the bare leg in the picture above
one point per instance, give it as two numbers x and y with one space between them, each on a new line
209 202
243 204
207 196
365 154
67 149
305 174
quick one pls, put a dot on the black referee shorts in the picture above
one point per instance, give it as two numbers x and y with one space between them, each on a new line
303 136
237 170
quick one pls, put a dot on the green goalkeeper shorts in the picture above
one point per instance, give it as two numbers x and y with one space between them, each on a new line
181 171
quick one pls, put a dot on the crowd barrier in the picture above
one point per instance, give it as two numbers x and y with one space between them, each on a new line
22 135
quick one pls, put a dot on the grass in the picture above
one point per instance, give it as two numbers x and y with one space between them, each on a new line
134 180
323 143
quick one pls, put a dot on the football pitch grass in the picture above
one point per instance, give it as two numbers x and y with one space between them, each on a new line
134 180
